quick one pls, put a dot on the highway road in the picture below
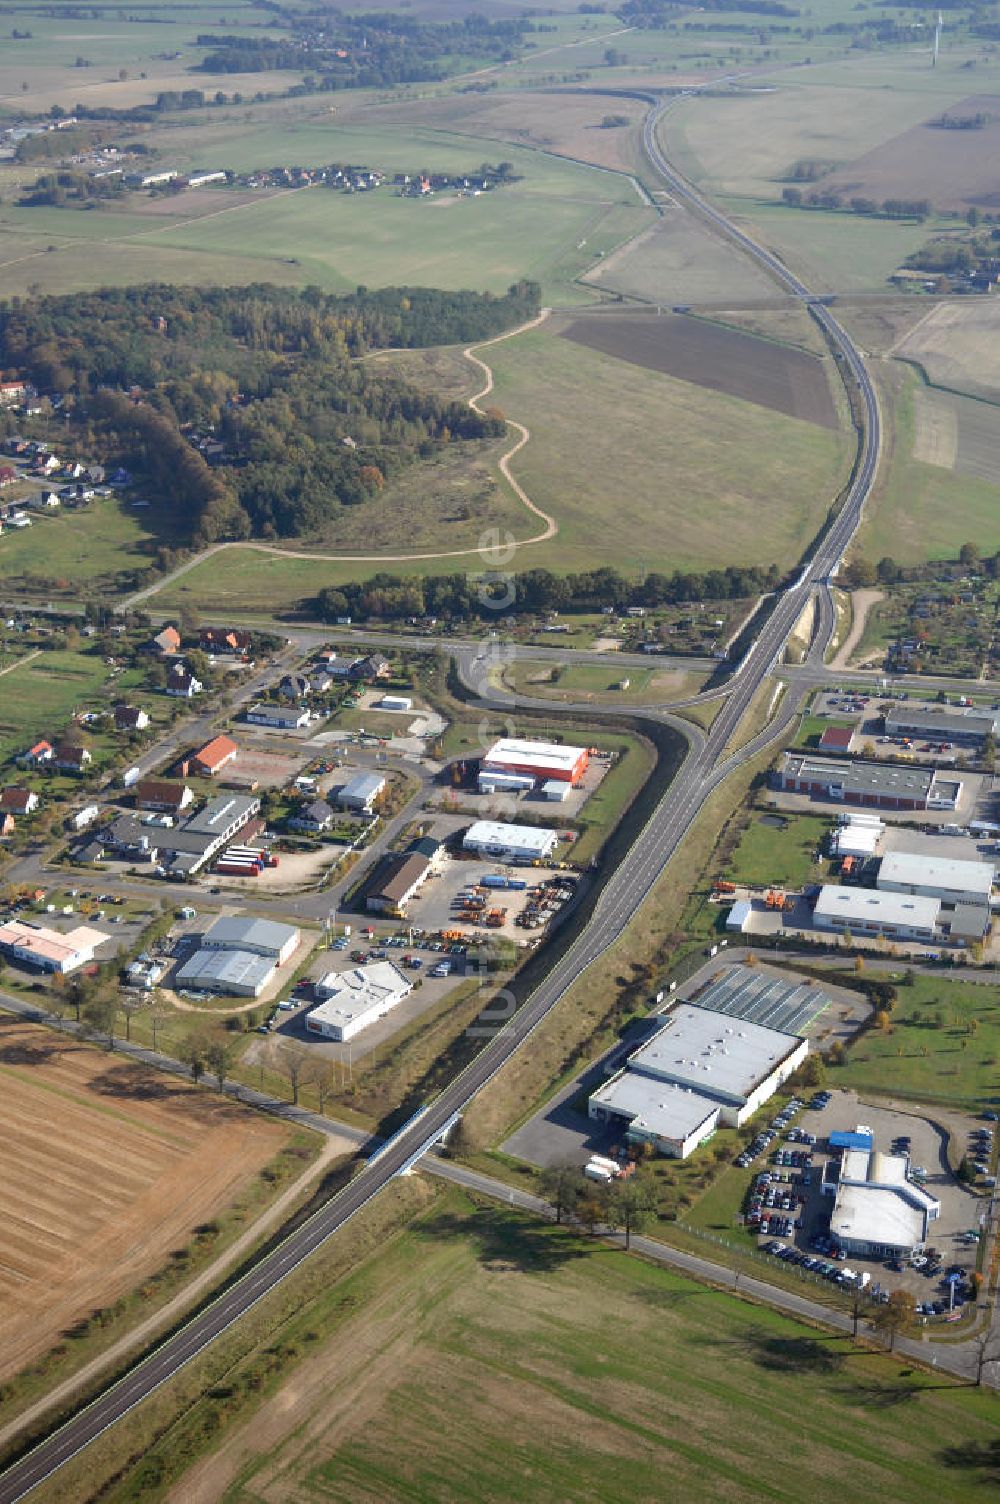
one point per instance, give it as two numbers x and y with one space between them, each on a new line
668 822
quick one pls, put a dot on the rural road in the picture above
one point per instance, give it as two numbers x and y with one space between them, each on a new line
705 767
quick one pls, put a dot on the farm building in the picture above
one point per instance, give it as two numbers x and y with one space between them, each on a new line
878 1212
698 1071
359 793
511 843
278 717
537 760
398 879
864 913
872 784
351 1000
952 881
49 949
967 727
264 937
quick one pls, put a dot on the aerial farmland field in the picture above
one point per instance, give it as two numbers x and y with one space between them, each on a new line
109 1167
958 345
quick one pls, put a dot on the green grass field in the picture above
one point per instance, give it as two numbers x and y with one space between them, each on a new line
943 1045
503 1359
925 511
77 549
779 854
38 698
589 681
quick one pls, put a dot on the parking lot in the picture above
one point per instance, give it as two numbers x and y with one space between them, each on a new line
794 1198
262 767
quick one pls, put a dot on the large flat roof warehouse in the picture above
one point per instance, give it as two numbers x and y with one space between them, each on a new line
239 971
700 1048
265 937
532 842
868 909
919 871
933 723
660 1107
222 814
757 997
872 781
353 999
51 949
543 759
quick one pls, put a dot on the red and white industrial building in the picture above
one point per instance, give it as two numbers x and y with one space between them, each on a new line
512 763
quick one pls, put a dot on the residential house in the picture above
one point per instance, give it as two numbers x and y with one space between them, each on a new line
8 475
130 718
183 685
315 817
293 687
320 682
167 642
213 757
70 757
18 801
278 717
372 666
36 756
46 464
226 640
44 501
162 794
12 392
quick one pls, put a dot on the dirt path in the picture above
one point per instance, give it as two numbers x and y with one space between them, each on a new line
20 662
144 1331
862 602
550 529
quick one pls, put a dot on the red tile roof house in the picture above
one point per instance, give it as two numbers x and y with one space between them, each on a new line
167 642
40 753
161 794
221 640
15 801
213 756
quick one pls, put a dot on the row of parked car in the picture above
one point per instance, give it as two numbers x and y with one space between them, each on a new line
767 1136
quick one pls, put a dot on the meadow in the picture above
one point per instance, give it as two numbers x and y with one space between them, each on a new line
41 694
779 853
589 681
481 1355
942 1045
80 549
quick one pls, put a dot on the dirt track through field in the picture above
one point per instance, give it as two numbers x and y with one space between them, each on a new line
485 552
709 355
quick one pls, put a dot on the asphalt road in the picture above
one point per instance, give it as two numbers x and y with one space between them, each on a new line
666 826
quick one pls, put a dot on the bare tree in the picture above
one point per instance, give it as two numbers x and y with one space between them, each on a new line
895 1316
293 1062
157 1015
324 1077
218 1058
130 1006
101 1012
192 1053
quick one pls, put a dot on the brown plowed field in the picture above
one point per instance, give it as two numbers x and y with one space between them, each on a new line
788 381
108 1167
955 169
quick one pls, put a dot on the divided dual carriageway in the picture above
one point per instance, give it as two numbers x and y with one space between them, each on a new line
704 768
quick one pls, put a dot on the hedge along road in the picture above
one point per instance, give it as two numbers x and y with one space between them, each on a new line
705 767
550 529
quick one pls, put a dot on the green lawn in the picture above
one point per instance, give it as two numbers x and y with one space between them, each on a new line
811 728
779 854
943 1045
504 1359
590 681
39 698
80 548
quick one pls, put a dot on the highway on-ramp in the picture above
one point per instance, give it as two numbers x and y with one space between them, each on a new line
704 768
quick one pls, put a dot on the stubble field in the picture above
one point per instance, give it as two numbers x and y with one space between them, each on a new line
109 1167
958 345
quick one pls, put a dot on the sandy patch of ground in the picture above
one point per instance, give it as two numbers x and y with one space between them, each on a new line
862 602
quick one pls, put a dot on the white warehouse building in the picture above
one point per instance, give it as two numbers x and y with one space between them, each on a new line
702 1069
262 937
512 843
951 881
878 1211
351 1000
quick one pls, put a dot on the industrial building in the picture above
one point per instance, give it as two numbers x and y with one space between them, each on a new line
50 950
351 1000
397 881
969 728
953 882
359 793
857 837
865 913
873 784
203 834
241 973
263 937
878 1212
510 843
698 1071
539 761
278 717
